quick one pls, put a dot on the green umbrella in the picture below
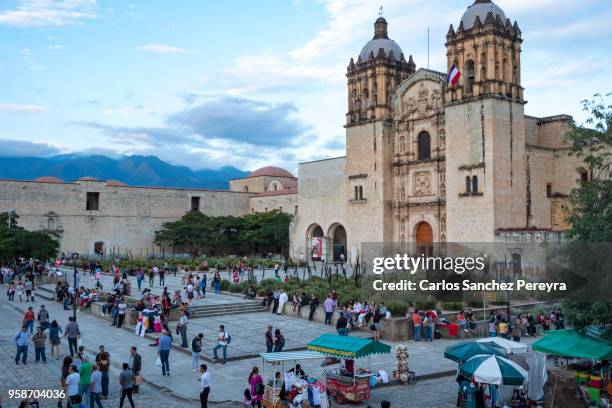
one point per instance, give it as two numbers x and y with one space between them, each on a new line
493 370
464 351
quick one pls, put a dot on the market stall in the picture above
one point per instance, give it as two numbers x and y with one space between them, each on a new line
348 383
273 388
511 347
462 352
587 357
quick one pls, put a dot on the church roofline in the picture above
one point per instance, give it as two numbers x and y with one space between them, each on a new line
320 160
141 187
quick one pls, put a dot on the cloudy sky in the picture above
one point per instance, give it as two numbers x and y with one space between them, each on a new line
246 83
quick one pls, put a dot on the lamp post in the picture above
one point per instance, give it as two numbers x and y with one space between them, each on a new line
75 257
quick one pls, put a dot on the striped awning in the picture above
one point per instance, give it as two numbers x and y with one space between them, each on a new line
347 347
292 355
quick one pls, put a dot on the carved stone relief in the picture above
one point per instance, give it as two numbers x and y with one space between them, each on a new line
422 183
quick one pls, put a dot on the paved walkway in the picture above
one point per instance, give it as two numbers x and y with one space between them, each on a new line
229 380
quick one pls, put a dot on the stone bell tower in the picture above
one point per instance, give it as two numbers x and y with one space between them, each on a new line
487 49
380 68
485 128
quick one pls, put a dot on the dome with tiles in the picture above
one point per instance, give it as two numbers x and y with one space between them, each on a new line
481 8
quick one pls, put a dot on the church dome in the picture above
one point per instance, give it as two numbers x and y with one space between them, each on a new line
87 178
49 179
271 171
115 183
481 8
380 40
374 45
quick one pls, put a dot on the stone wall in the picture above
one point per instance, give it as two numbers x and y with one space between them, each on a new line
127 217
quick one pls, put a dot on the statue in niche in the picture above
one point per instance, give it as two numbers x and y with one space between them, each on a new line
422 183
436 99
442 142
423 105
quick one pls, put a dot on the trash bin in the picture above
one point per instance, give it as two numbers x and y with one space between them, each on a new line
453 330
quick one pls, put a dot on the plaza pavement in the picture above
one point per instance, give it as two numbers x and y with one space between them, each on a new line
229 380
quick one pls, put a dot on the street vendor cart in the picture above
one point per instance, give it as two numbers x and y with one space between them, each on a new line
272 389
348 383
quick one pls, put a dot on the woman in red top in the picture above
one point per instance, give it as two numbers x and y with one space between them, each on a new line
28 320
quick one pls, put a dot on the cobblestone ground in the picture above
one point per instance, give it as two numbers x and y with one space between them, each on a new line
39 376
435 393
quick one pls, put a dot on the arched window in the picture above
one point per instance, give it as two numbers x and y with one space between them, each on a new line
246 189
402 144
468 185
366 98
275 187
474 184
424 143
469 76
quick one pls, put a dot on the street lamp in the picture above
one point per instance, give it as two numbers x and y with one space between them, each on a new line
75 257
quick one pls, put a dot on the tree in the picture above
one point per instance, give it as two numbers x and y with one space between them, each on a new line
197 233
18 242
591 212
591 201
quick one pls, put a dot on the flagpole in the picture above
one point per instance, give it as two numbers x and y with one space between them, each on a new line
427 47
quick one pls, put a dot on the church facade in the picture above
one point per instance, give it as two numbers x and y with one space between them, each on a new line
427 162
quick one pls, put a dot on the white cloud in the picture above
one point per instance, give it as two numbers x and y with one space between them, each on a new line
161 49
128 111
54 47
15 108
40 13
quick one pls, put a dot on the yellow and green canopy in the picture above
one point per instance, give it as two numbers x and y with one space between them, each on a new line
347 347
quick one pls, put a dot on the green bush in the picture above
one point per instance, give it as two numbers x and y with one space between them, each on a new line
398 308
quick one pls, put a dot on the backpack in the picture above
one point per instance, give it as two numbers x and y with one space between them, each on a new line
228 338
259 388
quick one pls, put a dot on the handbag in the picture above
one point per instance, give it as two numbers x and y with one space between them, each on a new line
138 380
373 327
158 362
259 388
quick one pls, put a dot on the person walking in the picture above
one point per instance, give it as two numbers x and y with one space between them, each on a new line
256 386
203 285
328 305
139 278
66 364
21 342
73 333
182 329
72 387
196 349
54 338
85 380
269 340
163 351
205 380
39 340
28 320
279 341
162 275
43 318
135 365
276 297
222 340
103 363
96 387
126 381
341 325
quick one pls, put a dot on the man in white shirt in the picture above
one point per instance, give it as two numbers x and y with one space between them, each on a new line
204 386
72 385
282 299
222 344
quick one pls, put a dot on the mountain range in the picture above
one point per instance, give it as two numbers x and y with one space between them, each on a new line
132 170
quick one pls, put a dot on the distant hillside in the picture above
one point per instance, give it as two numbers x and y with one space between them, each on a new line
133 170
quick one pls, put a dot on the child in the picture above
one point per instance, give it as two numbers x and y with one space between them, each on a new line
247 400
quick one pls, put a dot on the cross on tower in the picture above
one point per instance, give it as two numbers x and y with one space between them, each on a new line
380 11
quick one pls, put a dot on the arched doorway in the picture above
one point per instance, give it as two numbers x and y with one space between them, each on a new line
338 238
314 242
423 235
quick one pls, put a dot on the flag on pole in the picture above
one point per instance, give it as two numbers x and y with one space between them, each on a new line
453 75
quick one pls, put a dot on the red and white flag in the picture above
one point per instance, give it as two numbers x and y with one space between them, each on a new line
453 76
